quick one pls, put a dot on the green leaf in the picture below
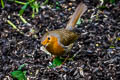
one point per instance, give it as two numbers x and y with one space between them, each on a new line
79 21
112 47
23 8
112 1
20 75
21 66
56 62
102 7
57 5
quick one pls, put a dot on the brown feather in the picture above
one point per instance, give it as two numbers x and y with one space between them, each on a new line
76 15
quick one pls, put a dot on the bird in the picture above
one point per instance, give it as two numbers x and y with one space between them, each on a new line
60 41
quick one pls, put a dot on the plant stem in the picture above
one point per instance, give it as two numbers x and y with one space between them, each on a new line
24 21
19 2
14 27
45 2
2 3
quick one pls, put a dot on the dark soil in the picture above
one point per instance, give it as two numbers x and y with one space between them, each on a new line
97 50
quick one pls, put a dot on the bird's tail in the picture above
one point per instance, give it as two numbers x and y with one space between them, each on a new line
76 15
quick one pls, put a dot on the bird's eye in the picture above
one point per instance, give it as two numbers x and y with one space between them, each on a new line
48 38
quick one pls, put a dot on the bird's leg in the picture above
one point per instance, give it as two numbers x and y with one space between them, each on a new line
65 59
53 57
63 62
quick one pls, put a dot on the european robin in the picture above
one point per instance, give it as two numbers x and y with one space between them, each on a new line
60 41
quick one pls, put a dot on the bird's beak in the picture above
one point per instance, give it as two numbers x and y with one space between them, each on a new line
45 45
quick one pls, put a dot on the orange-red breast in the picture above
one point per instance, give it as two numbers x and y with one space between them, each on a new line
60 41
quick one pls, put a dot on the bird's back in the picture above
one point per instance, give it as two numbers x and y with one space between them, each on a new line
65 37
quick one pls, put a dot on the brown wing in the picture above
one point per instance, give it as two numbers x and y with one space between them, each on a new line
66 37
